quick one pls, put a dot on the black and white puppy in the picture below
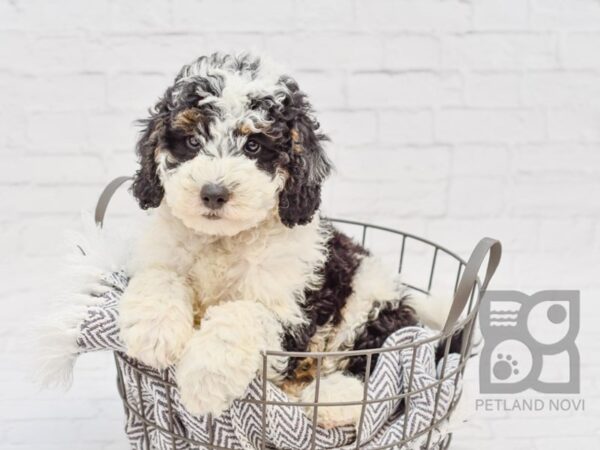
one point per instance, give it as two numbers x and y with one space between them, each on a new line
236 259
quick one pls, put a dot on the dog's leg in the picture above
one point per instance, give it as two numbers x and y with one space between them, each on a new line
156 317
337 387
431 310
224 355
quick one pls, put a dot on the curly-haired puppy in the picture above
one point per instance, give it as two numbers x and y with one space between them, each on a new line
236 260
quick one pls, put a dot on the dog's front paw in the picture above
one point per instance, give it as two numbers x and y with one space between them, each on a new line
203 391
156 338
211 375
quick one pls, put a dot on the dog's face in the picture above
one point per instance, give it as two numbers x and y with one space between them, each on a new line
229 145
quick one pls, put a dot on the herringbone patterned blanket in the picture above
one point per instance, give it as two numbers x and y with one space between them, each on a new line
155 414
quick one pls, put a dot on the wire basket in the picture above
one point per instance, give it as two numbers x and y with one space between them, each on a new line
438 269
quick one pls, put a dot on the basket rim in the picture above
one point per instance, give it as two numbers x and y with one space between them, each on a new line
399 232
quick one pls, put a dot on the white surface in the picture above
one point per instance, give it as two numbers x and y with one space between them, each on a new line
450 119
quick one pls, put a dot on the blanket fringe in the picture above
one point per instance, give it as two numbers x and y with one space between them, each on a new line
93 251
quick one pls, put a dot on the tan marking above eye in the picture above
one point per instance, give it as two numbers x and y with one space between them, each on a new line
187 120
245 129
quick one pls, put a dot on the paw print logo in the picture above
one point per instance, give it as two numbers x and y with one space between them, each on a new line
510 362
523 332
505 367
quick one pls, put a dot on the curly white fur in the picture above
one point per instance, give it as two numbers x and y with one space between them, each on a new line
224 355
240 290
157 328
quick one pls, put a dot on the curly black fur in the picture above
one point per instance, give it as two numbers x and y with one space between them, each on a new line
391 317
147 187
325 305
308 164
298 141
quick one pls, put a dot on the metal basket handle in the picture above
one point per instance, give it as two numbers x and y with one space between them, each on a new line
469 277
105 197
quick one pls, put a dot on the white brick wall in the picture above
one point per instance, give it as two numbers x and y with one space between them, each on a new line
451 119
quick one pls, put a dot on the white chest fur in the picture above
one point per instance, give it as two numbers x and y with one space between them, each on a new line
271 263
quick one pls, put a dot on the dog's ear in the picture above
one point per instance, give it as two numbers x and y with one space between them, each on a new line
308 164
147 187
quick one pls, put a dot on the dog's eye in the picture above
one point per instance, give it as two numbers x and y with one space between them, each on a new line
252 147
192 142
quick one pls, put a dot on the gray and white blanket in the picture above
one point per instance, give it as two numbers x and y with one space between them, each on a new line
155 414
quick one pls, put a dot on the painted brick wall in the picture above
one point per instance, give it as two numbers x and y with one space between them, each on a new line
450 119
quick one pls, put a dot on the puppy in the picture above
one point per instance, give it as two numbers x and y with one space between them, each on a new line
236 260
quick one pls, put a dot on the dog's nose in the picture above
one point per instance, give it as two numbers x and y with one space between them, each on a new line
214 196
